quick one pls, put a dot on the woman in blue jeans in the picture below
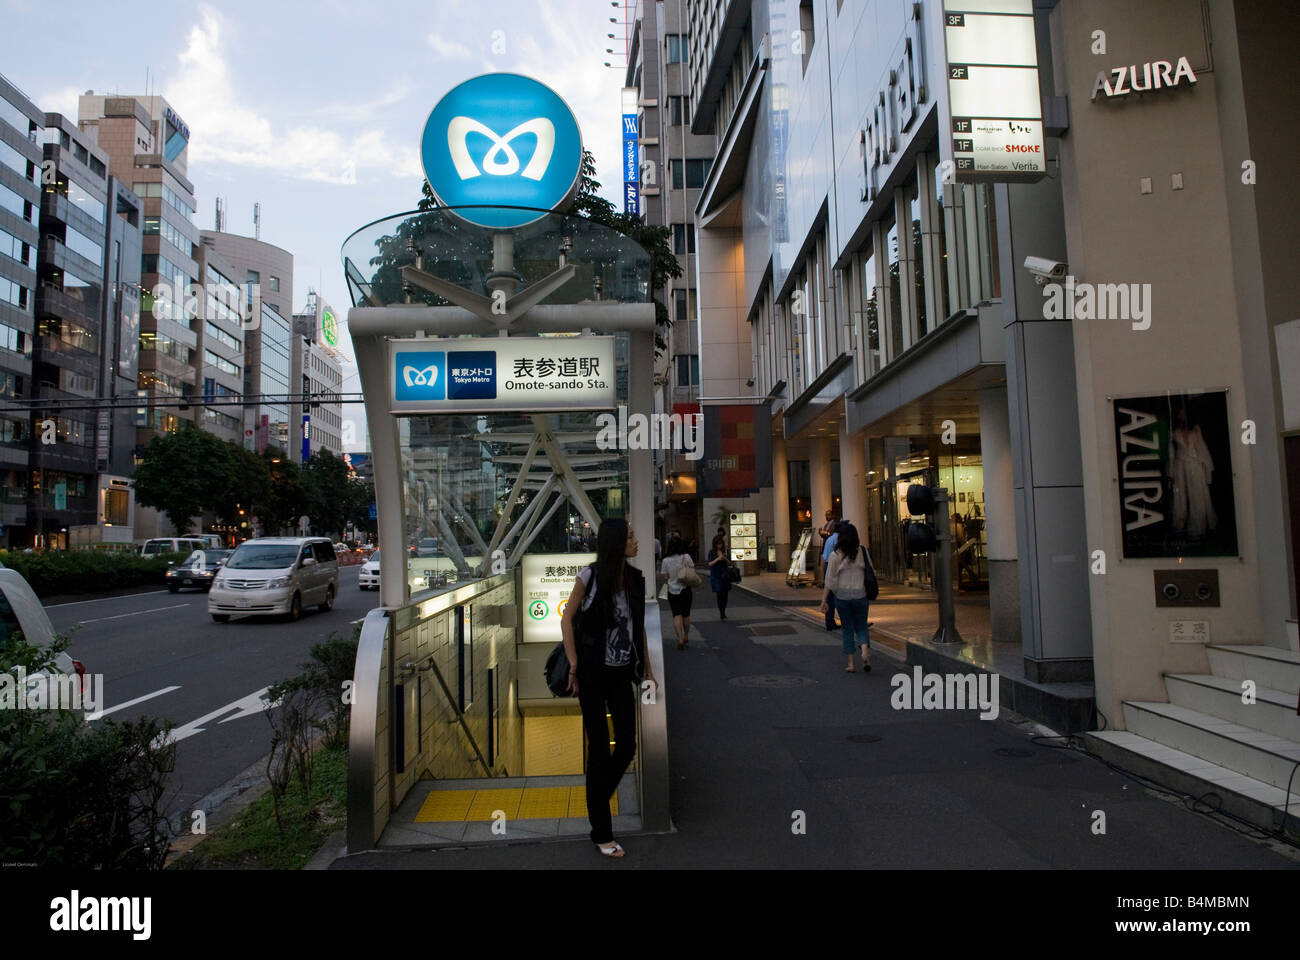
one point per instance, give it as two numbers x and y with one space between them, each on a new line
846 578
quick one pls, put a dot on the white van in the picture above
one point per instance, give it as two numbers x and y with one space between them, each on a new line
161 545
276 575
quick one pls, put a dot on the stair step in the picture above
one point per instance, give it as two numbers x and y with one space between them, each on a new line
1241 749
1273 712
1268 666
1242 796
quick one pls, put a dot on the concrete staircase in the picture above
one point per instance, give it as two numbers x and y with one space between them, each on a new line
1206 740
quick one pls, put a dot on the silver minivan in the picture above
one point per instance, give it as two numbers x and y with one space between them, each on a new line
276 575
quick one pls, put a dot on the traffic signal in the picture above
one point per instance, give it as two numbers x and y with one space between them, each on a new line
921 537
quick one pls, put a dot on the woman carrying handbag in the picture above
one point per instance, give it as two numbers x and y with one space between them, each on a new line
850 578
678 570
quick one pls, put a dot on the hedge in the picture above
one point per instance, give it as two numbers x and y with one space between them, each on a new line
87 571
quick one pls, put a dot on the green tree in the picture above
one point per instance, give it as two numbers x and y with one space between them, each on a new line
248 486
286 501
326 481
182 474
656 241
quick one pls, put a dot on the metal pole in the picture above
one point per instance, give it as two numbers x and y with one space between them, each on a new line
947 632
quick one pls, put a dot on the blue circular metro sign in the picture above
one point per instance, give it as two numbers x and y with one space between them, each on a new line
501 139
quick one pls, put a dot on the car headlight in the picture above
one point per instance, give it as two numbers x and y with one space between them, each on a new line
279 582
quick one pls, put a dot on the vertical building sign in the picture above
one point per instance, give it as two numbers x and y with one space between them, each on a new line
306 437
997 111
631 175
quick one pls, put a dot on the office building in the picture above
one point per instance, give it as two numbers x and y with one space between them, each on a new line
147 145
86 346
316 357
673 164
1119 443
20 197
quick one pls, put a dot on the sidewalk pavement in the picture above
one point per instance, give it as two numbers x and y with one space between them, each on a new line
768 735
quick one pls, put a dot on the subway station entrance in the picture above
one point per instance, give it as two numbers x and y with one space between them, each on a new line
485 356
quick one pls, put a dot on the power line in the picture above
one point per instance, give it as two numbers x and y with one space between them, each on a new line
183 403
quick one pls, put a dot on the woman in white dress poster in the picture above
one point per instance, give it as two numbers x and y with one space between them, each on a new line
1191 470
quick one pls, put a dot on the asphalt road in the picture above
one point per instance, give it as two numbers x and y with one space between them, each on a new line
162 655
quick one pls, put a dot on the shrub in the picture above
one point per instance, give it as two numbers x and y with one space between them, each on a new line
77 796
86 571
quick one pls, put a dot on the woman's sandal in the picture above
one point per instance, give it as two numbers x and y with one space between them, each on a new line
849 670
610 849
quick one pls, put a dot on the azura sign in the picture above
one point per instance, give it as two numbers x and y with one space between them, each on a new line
501 139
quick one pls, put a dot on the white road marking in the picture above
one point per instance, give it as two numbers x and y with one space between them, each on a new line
119 616
131 703
247 706
73 603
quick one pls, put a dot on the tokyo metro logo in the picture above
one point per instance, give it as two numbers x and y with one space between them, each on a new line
460 128
500 142
421 375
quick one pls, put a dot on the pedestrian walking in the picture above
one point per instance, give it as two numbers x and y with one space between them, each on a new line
846 578
718 581
827 550
604 639
825 532
680 596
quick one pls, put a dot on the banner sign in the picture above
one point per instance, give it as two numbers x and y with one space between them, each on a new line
997 110
631 168
490 375
547 582
1174 468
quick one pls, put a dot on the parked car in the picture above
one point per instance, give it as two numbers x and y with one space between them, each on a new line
161 545
427 547
276 575
199 569
21 611
368 578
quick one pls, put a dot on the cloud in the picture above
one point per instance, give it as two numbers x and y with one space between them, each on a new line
448 48
228 129
61 101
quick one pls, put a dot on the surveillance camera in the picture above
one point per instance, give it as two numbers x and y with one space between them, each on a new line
1044 269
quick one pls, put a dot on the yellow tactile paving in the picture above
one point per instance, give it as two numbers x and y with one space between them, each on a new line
544 803
487 802
442 805
529 803
578 802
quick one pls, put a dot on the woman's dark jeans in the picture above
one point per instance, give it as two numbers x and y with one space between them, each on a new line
615 688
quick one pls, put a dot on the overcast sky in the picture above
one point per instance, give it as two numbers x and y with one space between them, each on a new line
315 109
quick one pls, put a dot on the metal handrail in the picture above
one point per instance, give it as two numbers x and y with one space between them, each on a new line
412 666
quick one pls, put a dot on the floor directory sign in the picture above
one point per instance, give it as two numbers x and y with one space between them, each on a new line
547 582
997 111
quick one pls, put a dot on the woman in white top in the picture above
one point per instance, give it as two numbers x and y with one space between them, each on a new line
846 577
676 561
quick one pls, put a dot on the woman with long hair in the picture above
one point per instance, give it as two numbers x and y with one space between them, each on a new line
846 578
605 641
718 564
676 560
